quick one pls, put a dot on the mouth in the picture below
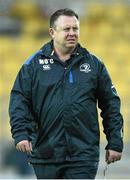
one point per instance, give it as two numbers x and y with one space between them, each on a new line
71 40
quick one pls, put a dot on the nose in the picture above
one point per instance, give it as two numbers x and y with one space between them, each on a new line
71 32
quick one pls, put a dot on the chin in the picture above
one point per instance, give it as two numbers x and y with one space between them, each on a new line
71 45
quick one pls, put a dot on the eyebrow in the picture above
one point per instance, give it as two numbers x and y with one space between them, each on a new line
68 26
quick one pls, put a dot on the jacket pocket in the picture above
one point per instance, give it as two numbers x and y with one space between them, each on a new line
45 151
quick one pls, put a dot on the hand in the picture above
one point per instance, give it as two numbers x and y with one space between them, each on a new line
112 156
24 146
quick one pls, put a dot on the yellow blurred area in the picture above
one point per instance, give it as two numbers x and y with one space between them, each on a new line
105 31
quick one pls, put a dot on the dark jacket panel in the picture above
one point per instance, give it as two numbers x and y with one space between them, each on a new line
54 105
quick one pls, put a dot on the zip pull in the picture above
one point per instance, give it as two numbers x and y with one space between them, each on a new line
71 76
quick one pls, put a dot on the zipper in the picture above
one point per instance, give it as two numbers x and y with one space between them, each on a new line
71 76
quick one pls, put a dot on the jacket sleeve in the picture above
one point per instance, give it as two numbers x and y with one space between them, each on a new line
20 107
109 103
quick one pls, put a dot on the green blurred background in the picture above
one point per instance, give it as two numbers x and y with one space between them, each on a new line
105 31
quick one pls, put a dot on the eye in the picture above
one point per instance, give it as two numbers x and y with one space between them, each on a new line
75 28
66 29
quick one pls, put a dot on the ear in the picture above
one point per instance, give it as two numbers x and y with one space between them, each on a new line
51 32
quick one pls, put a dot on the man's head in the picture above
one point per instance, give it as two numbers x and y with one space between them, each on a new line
61 12
64 29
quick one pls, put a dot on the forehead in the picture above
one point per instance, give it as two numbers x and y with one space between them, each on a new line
67 21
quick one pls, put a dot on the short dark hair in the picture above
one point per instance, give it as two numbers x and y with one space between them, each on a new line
60 12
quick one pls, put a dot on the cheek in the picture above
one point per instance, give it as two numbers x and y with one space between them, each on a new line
77 34
62 36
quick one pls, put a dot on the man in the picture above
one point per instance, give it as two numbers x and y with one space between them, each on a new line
53 112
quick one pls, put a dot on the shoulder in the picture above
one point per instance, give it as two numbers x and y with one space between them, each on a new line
95 62
45 51
99 64
95 58
92 57
33 57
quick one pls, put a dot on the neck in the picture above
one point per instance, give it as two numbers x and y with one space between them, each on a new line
63 54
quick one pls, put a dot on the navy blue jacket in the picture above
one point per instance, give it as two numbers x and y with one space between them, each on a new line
54 105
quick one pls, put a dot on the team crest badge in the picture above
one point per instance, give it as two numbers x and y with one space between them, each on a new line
85 68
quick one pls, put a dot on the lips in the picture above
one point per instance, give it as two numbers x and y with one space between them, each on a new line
71 40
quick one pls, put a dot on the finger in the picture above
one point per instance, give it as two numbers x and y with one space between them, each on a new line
113 160
30 144
110 159
23 148
18 147
117 159
28 147
112 156
107 155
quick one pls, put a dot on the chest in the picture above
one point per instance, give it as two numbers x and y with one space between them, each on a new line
48 73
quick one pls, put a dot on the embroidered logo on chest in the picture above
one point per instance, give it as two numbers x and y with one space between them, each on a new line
46 63
85 68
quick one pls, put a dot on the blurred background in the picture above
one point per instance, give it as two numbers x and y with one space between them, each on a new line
105 31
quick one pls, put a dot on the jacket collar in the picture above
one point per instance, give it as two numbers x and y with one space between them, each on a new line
48 51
